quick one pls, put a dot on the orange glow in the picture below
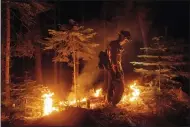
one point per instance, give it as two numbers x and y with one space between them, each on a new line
48 103
132 96
135 94
83 100
124 99
98 92
72 102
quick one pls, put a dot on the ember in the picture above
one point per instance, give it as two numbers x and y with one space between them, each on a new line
72 102
98 92
132 96
84 100
124 99
135 94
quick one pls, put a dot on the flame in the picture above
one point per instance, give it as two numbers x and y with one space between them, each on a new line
124 99
135 94
72 102
55 109
61 103
84 100
48 103
98 92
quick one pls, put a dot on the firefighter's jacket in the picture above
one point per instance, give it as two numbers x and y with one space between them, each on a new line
114 54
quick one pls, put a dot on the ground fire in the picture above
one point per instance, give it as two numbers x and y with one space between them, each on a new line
132 95
98 92
48 104
128 97
135 94
103 63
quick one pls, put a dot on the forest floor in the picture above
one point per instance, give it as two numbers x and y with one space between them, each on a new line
106 117
169 109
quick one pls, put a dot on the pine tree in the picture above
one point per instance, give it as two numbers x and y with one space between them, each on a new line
163 62
27 99
70 45
28 10
27 43
28 46
7 54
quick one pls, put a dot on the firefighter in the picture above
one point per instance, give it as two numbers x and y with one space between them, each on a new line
114 67
114 53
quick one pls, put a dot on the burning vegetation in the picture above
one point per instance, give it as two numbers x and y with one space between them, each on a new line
155 96
136 99
35 101
96 99
162 65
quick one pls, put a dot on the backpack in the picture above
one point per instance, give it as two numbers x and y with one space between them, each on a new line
103 60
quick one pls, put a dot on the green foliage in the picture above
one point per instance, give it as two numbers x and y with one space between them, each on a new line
163 61
77 40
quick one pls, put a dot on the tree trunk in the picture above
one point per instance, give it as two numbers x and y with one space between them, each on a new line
105 39
38 65
7 57
77 70
74 74
142 28
55 72
60 73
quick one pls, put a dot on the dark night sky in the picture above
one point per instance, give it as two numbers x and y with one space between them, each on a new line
175 15
75 10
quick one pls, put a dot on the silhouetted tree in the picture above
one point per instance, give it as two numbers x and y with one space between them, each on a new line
165 61
28 10
28 46
71 44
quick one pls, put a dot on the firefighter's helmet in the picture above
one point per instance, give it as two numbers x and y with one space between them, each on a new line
126 34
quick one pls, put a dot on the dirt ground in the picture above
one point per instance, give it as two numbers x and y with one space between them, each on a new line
102 117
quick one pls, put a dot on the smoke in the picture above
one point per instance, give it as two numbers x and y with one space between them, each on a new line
88 75
106 32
